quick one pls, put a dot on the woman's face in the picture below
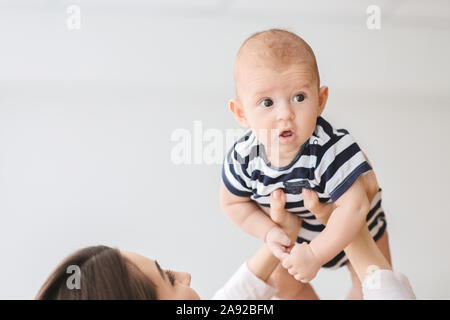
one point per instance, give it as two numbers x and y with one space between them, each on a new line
170 285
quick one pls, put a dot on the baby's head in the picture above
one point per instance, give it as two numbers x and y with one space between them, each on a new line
278 93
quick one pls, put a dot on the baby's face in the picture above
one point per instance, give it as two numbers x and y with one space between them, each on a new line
280 106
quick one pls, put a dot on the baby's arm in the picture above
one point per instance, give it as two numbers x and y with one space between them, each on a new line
344 223
364 254
247 215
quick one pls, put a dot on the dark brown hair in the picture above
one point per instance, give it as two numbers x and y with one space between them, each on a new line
105 275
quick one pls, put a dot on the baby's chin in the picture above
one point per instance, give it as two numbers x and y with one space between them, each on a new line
282 152
291 148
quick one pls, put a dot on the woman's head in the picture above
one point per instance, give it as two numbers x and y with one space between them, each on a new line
107 273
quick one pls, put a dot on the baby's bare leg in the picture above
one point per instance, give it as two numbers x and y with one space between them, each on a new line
289 288
355 292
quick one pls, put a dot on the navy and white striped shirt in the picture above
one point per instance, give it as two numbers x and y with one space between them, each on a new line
328 163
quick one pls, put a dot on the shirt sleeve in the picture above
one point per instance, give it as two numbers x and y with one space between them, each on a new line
235 175
245 285
339 163
387 285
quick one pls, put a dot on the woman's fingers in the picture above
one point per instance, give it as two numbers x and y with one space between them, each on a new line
277 202
278 241
289 222
311 202
277 251
285 262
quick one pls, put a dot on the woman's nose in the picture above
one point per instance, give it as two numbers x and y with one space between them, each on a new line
185 278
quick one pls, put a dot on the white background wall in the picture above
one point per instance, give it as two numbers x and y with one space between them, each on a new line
86 119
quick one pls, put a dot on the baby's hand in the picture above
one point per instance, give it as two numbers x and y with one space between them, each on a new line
301 262
278 242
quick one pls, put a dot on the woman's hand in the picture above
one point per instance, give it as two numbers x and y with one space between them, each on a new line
363 252
322 211
288 222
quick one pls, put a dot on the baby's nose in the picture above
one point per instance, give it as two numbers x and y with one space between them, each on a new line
285 112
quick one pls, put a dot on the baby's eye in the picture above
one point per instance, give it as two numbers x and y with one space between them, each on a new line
266 103
299 98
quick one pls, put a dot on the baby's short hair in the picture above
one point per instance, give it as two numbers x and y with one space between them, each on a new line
279 48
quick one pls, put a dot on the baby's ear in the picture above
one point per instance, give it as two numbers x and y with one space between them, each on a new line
323 97
237 109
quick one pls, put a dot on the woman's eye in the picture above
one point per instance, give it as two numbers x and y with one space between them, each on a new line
266 103
299 98
171 277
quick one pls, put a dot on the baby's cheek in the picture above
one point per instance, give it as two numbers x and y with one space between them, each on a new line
264 135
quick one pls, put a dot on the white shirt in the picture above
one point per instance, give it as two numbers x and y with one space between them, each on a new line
244 285
379 285
387 285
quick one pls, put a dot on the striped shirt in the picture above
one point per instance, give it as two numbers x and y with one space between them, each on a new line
328 163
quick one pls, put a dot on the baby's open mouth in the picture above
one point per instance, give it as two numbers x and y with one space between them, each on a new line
286 133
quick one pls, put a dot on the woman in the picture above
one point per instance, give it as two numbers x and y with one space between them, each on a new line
107 273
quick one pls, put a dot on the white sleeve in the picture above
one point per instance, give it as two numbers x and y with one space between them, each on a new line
387 285
244 285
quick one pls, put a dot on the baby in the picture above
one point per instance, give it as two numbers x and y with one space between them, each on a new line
290 146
